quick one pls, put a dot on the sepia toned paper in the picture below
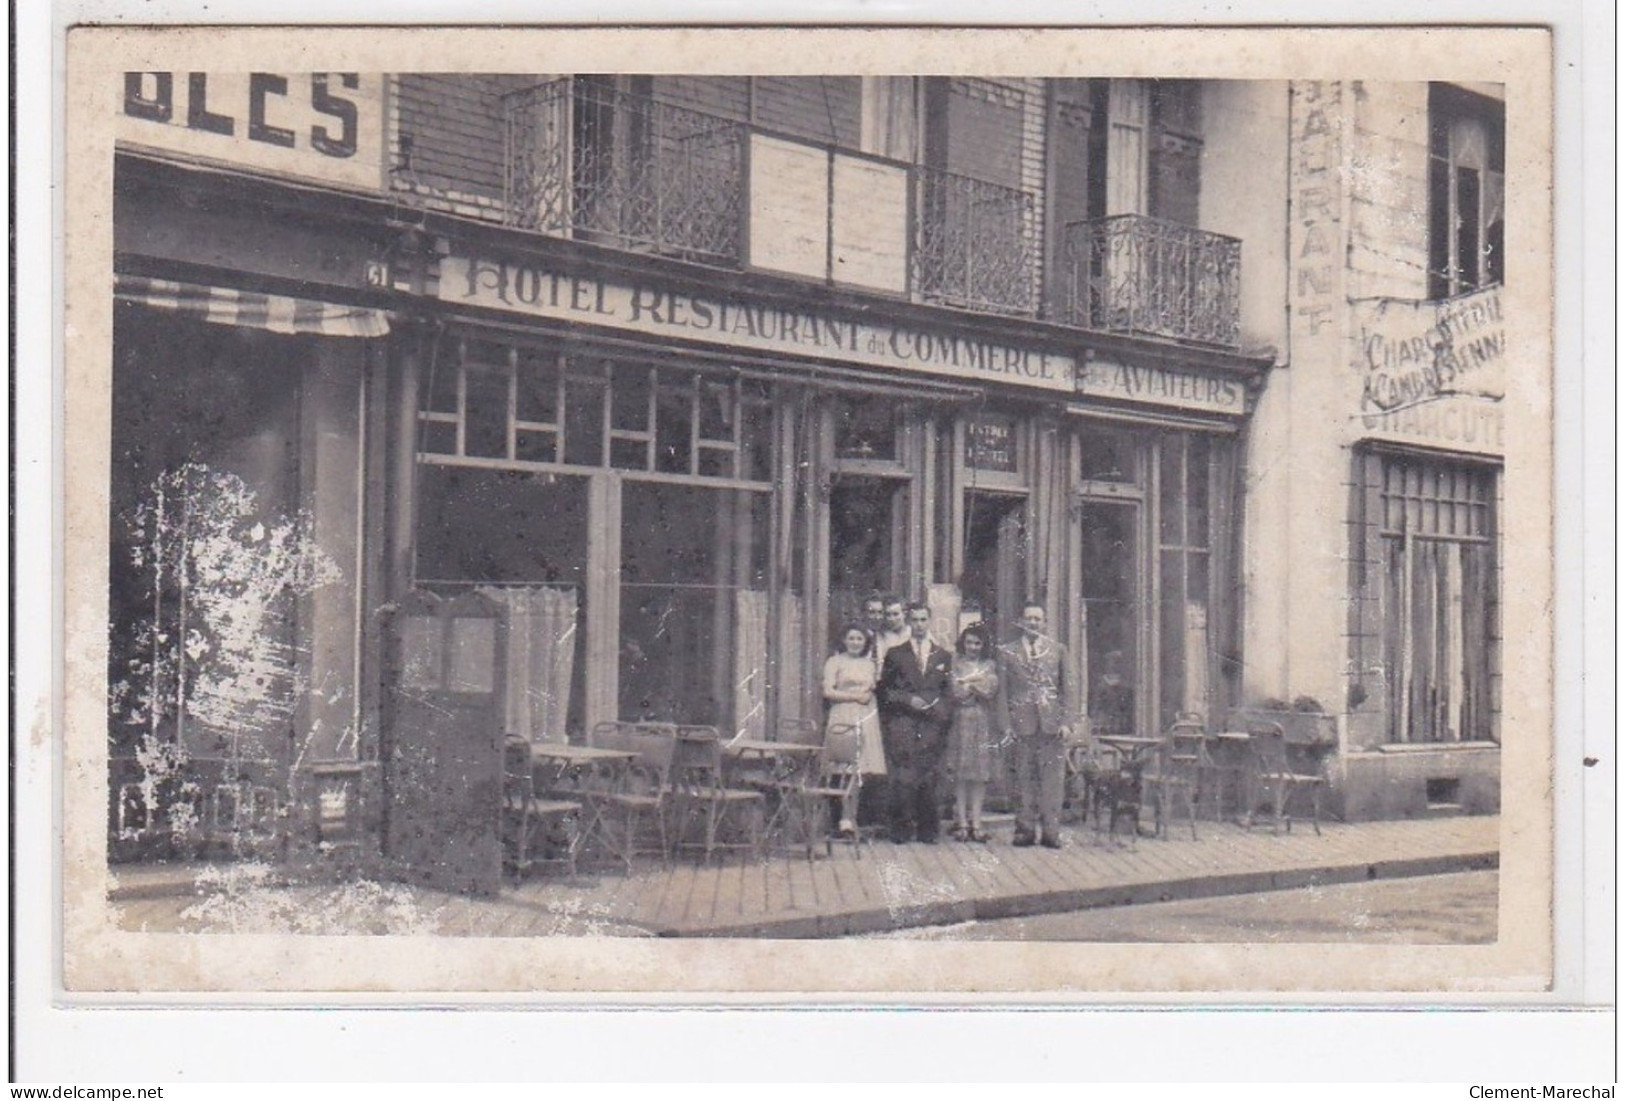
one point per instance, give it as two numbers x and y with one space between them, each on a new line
103 960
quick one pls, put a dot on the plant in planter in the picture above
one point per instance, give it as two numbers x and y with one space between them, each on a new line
1304 719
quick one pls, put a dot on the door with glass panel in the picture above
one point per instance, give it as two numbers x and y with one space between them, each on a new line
1113 624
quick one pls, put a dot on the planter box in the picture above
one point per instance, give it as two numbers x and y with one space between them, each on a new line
1307 728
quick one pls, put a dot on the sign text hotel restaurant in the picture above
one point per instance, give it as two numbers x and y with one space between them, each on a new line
529 289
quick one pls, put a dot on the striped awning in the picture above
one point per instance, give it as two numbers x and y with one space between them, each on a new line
277 313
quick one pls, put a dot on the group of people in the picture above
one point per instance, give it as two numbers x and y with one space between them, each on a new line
923 713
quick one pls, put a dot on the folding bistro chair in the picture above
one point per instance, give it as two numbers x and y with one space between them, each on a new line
1277 779
730 817
642 799
1086 769
804 804
535 830
1177 770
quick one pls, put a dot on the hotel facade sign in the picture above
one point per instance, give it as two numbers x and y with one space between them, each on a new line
1163 386
537 291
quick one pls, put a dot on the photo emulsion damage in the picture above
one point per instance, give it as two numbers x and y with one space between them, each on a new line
1063 508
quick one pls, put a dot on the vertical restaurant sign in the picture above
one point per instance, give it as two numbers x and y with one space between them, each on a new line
1315 231
317 126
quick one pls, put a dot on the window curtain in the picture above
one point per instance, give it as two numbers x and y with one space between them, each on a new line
889 120
541 660
1198 655
1224 656
750 663
788 668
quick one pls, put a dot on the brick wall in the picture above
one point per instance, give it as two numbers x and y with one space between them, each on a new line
726 96
986 131
452 125
816 108
1032 170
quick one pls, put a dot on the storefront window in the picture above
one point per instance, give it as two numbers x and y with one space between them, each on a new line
209 556
1440 640
1183 648
1112 603
694 609
521 539
525 405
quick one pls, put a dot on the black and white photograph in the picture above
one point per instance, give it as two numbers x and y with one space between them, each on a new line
986 517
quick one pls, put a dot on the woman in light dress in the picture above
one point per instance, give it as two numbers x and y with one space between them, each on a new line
849 686
970 741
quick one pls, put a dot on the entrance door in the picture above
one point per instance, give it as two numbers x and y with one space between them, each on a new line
443 775
994 578
1114 625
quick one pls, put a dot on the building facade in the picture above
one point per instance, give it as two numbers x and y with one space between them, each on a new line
1373 580
674 371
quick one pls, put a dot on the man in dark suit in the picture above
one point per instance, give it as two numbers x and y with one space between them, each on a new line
1037 701
915 684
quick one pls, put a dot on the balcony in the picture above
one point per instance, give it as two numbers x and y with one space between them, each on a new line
1144 276
973 244
602 165
599 164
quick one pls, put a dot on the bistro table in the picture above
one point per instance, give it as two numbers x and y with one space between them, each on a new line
1131 747
582 772
753 759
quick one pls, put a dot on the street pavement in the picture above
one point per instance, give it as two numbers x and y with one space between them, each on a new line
1455 908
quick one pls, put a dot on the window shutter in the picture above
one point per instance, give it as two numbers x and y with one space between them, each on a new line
1176 152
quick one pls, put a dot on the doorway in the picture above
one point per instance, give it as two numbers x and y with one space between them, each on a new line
994 579
867 547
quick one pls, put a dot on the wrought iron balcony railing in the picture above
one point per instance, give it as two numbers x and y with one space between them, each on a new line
593 162
973 243
1133 274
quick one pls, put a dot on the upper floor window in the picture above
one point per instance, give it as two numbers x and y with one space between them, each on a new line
1466 191
1126 108
890 125
1126 147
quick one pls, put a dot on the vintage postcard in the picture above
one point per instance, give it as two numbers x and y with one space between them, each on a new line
808 514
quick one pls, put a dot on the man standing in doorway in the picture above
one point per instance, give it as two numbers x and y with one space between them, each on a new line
1032 675
916 703
890 627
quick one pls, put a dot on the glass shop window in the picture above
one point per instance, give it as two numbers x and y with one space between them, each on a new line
520 406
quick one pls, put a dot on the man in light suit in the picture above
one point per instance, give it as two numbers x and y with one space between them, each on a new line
1037 703
915 705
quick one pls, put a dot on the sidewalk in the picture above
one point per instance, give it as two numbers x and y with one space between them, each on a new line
887 887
